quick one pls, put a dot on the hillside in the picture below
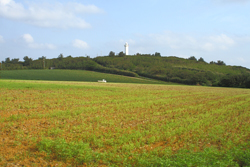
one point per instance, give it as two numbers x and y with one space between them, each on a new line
180 70
170 69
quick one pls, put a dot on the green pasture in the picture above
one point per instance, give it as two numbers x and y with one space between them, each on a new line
62 123
72 75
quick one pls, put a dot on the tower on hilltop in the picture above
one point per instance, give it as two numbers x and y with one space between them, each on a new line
126 48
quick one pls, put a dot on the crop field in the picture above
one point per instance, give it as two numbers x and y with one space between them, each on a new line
55 123
73 75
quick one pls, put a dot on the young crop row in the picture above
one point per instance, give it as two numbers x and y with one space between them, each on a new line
73 75
92 124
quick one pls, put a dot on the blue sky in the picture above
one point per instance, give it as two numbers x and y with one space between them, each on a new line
211 29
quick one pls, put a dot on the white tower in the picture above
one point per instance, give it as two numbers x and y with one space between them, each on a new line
126 48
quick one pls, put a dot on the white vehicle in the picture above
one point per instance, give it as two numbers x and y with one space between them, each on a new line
103 80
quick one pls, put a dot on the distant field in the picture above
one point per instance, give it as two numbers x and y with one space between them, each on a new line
72 75
55 123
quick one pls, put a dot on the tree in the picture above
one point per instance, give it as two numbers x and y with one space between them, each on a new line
7 60
192 58
111 54
247 82
14 61
27 61
201 59
157 54
60 57
41 58
219 62
121 54
212 62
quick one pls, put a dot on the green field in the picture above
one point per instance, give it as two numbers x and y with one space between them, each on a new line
55 123
72 75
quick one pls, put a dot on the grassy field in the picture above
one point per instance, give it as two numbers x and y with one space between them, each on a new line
46 123
73 75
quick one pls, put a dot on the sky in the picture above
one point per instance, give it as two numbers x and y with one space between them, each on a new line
211 29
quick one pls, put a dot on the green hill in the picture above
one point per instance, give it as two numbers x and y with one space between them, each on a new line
73 75
169 69
180 70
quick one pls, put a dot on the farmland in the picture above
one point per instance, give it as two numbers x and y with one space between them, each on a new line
72 75
62 123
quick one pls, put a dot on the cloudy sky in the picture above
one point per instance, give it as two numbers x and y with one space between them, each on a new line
212 29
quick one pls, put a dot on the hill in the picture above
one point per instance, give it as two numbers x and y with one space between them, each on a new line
171 69
180 70
73 75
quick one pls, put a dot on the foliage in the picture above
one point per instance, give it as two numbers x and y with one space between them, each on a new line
241 81
14 61
79 63
192 58
219 62
157 54
111 54
169 69
121 54
201 59
7 60
173 69
27 61
42 58
60 57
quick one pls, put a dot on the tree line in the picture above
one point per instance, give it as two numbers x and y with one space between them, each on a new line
61 62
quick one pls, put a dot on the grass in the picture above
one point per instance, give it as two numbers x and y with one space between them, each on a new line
73 75
91 124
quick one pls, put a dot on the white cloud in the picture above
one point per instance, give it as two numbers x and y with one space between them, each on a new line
31 44
130 41
4 2
241 59
184 41
175 40
221 42
1 39
223 39
58 15
180 44
80 44
243 39
235 1
28 38
208 46
80 8
41 46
